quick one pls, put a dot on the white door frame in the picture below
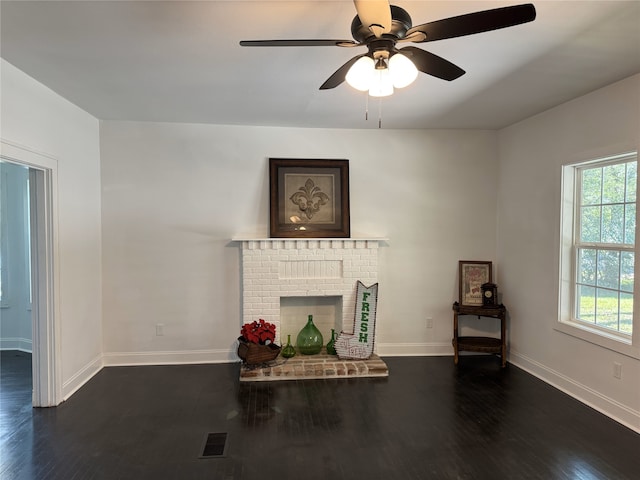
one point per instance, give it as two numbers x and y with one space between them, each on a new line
43 178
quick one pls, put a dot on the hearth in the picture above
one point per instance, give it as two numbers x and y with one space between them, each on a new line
309 367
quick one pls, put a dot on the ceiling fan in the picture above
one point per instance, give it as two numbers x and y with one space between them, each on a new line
379 26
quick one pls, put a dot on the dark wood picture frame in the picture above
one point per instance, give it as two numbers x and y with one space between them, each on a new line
472 275
309 198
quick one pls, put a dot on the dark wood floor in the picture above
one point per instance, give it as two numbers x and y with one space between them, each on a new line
428 420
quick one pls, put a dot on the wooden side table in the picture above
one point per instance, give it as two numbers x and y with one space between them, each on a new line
480 344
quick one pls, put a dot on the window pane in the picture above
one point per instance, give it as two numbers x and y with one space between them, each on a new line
632 181
612 223
630 223
587 266
587 304
607 308
626 313
627 260
590 224
608 268
591 186
613 183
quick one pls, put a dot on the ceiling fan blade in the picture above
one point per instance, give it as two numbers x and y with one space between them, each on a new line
339 75
298 43
432 64
477 22
374 15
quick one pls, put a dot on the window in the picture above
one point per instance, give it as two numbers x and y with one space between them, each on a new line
598 247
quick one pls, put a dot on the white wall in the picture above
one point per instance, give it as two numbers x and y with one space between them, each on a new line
174 195
40 120
15 309
532 152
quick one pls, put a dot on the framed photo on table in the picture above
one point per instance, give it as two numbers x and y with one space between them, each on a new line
473 274
308 198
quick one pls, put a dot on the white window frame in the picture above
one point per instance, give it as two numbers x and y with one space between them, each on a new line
566 323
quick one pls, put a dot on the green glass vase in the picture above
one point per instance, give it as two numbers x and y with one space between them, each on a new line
331 346
288 351
310 339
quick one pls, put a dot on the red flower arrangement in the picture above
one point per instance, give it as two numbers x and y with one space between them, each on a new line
260 332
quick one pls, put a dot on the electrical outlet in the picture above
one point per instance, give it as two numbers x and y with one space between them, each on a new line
617 370
159 329
429 322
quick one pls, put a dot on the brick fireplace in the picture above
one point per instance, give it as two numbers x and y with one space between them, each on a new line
278 268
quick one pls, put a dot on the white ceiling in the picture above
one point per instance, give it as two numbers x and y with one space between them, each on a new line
180 61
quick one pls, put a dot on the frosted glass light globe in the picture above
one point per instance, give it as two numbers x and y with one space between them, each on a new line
360 74
382 86
403 71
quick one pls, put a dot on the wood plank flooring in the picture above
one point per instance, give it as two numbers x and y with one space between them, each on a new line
427 420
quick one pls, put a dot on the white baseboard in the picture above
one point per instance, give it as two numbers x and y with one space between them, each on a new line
81 377
414 349
16 343
113 359
622 414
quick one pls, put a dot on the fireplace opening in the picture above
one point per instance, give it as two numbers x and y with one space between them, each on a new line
326 311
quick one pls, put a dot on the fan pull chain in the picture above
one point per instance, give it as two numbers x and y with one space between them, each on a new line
366 108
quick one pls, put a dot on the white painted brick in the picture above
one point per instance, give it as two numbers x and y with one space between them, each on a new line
321 267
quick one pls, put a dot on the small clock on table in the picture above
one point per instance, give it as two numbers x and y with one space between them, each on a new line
489 295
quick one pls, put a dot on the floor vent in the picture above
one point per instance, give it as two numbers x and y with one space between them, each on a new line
215 445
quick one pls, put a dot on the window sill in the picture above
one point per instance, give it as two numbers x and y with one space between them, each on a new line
610 342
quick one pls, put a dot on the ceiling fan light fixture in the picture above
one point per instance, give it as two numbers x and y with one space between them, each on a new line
379 26
360 75
402 70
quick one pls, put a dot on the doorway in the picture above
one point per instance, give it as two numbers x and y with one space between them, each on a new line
15 277
42 214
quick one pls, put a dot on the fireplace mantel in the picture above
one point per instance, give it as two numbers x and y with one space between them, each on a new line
379 240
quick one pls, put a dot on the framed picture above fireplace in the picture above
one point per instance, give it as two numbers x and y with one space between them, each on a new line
309 198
